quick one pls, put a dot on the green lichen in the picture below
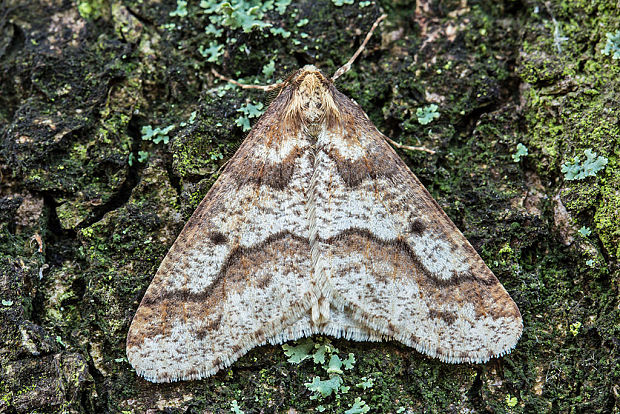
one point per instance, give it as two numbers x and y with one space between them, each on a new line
234 407
301 351
612 45
359 407
334 367
91 9
584 231
181 10
249 110
427 114
339 3
324 388
213 53
521 152
156 135
575 170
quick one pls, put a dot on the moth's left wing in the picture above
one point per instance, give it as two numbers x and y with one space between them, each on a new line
240 271
391 255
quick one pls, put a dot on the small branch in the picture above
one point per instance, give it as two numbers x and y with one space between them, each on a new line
345 68
265 88
408 147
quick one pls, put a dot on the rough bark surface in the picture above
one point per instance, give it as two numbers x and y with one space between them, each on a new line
93 194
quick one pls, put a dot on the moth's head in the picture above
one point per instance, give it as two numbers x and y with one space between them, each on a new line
312 100
310 76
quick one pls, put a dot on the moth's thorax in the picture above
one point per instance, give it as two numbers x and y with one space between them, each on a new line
312 100
311 93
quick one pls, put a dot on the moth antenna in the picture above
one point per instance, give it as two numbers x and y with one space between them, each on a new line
345 68
265 88
408 147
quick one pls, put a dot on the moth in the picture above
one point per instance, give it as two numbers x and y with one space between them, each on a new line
316 226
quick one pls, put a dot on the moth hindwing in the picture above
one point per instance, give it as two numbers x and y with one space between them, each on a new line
316 226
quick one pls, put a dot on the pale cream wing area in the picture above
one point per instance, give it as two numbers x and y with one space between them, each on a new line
239 272
391 255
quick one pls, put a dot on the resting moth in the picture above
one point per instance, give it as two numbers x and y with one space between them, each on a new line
316 226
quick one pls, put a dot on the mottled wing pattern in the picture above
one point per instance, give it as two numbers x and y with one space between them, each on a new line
239 271
391 255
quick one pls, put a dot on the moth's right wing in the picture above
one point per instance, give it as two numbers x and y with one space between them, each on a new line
240 271
394 258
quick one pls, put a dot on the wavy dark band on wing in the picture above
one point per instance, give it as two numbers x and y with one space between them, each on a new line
458 278
292 243
287 243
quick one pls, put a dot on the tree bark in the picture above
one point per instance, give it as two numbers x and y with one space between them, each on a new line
113 129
